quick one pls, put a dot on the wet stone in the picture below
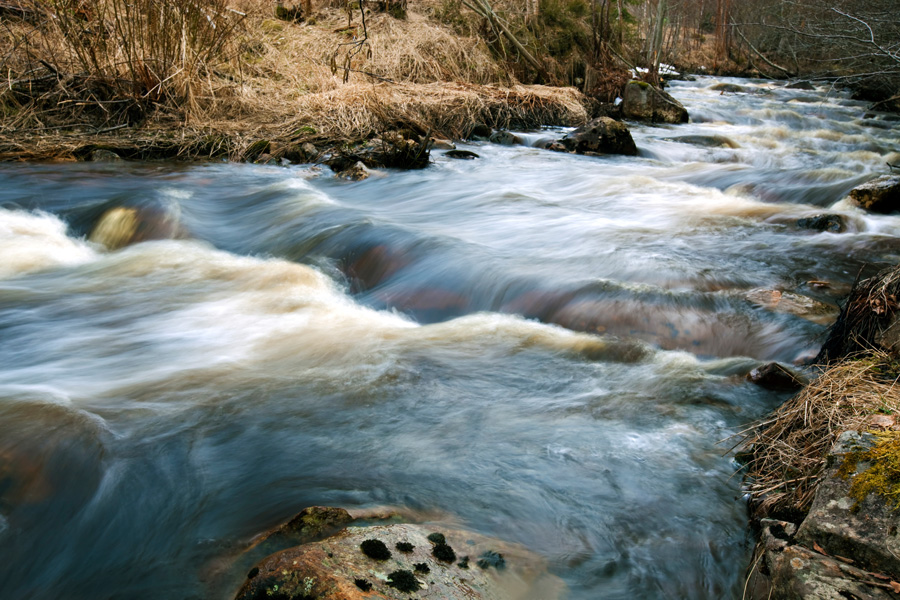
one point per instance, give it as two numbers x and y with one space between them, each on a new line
334 568
831 223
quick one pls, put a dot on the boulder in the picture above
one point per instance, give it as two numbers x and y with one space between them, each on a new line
868 532
775 377
506 138
832 223
880 195
401 561
800 85
727 88
602 136
462 155
355 172
644 102
480 131
122 226
440 144
102 155
798 573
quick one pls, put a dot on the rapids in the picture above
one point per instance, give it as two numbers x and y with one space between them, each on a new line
543 348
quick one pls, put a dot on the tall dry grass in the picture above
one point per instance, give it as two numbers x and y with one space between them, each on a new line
232 67
786 453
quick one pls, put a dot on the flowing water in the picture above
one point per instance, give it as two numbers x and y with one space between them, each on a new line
540 347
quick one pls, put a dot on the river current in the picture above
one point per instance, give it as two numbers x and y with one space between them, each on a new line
544 348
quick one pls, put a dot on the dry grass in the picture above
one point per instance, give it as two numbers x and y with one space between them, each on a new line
787 452
270 80
445 109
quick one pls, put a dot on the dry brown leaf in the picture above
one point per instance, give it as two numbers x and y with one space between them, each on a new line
819 549
895 586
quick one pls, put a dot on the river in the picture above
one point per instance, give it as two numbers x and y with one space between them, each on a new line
544 348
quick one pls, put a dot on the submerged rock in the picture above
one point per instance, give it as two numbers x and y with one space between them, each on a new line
708 141
832 223
880 195
644 102
602 136
336 568
800 85
125 225
727 88
793 304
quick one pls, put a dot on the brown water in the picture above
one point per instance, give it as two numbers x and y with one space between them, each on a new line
541 347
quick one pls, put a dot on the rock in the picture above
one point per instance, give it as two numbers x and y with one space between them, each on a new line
644 102
356 172
776 378
793 304
727 88
798 573
867 532
506 138
832 223
336 568
125 225
800 85
440 144
462 155
602 135
481 132
313 523
709 141
309 151
101 155
880 195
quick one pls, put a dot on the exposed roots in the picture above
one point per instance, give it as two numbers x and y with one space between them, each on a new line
865 316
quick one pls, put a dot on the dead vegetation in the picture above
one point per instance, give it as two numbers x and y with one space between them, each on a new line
226 75
785 455
864 318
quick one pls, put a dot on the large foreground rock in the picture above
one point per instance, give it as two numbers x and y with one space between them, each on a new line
880 195
843 549
401 561
644 102
603 135
868 532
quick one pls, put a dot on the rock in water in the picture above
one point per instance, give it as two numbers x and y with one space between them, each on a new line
357 172
336 568
776 377
880 195
832 223
602 136
462 155
727 88
644 102
506 138
125 225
